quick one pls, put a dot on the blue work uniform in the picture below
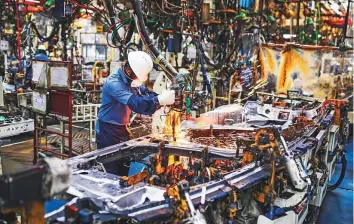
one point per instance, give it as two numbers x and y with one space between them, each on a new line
41 56
119 99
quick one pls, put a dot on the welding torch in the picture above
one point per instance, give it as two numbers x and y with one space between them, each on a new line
170 71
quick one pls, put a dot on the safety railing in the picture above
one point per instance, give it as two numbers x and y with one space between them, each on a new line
86 113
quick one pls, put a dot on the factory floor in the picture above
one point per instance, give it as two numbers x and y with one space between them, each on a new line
17 154
337 207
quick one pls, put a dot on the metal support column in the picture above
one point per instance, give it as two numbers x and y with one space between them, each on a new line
298 19
70 123
346 22
35 140
62 138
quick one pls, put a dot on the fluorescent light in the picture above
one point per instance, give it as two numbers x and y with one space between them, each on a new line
33 1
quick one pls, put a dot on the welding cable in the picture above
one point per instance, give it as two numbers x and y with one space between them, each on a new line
225 58
153 23
342 173
51 35
168 68
114 36
206 82
119 23
139 20
73 12
207 30
208 60
176 39
184 82
94 8
163 11
172 5
100 15
130 32
170 71
174 8
187 79
145 39
111 15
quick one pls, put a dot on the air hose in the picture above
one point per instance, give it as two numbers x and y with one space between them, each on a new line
342 174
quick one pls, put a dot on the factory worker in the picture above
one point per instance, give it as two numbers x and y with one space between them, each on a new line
298 85
119 99
41 55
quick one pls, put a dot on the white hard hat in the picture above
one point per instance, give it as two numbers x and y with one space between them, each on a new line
141 64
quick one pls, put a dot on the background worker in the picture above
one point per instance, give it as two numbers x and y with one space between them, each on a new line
40 55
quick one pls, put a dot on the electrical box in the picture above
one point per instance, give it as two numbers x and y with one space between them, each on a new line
4 45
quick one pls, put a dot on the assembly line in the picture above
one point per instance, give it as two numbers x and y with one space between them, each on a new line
176 111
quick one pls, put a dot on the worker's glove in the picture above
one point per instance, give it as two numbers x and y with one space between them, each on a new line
167 97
